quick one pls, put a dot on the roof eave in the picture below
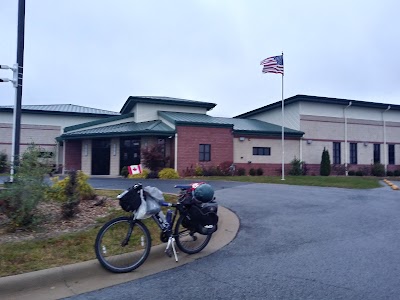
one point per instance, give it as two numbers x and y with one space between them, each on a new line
132 100
114 134
98 122
268 133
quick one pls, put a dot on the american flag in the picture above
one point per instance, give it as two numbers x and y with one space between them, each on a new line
273 64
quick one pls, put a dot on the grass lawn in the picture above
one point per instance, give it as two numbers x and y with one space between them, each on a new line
351 182
28 256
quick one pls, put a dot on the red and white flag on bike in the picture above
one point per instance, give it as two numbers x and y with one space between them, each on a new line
135 169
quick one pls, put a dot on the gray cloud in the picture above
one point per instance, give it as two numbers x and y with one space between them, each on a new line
97 53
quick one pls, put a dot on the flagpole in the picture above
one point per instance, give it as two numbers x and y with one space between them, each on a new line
283 132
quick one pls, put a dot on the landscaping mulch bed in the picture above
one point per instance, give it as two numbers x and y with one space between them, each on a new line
51 223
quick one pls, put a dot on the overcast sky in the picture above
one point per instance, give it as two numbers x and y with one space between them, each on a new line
96 53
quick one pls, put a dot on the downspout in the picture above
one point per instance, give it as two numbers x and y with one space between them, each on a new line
63 162
301 149
385 151
345 139
176 153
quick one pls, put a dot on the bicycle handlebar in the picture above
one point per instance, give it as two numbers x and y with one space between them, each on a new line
183 186
168 204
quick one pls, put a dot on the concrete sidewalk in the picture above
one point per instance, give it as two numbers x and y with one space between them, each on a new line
69 280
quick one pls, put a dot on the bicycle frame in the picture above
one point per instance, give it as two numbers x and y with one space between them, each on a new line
173 233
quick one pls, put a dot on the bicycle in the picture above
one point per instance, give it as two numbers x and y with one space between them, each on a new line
124 243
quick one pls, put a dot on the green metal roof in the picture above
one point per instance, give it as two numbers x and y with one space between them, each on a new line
240 126
179 118
66 109
132 100
124 129
316 99
97 122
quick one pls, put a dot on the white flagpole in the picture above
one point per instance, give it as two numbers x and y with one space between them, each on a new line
283 132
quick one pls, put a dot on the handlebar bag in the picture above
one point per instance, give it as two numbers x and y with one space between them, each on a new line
131 199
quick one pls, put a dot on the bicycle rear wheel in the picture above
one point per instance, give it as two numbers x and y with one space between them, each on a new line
188 240
122 244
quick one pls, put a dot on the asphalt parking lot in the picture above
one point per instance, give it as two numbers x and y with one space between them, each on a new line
293 243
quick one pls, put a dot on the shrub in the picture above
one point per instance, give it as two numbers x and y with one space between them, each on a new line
366 170
152 175
189 172
378 170
3 162
351 173
198 171
124 172
28 188
211 171
338 169
252 172
142 175
225 168
241 171
296 167
325 169
396 173
59 190
359 173
168 173
259 172
389 173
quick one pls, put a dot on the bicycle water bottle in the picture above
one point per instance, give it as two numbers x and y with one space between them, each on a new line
169 218
162 220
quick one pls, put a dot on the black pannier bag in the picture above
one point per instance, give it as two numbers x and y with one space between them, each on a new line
130 199
202 218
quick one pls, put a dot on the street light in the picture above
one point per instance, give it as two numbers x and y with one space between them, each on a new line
15 74
17 82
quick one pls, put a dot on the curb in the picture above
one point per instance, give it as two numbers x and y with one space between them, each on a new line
389 183
71 280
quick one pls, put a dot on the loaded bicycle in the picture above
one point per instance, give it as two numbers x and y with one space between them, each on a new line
124 243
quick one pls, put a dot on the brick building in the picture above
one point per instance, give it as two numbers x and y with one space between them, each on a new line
356 134
186 133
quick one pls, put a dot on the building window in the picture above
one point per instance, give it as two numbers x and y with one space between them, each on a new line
391 154
204 152
377 153
261 151
353 153
336 153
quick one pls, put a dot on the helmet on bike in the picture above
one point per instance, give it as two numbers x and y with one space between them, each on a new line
203 192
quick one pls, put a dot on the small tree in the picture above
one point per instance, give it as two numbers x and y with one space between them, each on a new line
28 188
3 162
70 207
378 169
154 158
325 169
297 167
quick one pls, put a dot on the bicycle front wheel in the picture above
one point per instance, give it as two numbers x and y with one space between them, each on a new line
188 240
122 245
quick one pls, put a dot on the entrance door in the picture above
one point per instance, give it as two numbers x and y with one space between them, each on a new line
101 157
129 152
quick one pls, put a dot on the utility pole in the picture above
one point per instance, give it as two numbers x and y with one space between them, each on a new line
17 82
